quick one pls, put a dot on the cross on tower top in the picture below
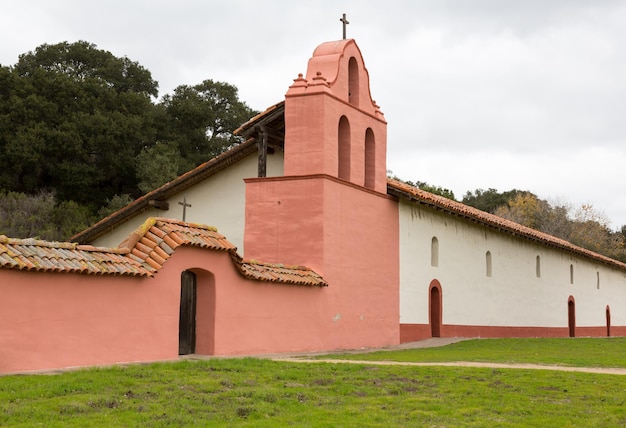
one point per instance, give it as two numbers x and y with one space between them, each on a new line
345 22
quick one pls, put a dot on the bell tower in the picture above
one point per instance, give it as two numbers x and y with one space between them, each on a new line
331 211
332 125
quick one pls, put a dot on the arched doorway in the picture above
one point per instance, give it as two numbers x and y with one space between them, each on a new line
187 320
196 328
608 321
435 310
571 316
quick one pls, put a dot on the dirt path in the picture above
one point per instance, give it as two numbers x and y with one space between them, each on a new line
596 370
435 342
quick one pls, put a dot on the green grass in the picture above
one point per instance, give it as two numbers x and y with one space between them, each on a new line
578 352
261 393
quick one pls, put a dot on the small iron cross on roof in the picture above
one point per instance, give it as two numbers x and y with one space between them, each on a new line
345 22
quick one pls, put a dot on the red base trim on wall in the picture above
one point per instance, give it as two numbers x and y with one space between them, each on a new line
414 332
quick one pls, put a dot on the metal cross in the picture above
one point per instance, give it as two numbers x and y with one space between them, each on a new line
185 205
345 22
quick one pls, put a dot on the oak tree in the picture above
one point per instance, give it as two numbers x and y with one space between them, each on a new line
74 118
200 120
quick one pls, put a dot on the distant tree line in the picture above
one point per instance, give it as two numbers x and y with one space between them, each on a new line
583 226
82 133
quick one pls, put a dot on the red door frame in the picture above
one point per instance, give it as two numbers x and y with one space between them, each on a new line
571 316
435 308
608 321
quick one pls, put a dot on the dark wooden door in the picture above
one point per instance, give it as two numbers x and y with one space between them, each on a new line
435 312
571 316
187 323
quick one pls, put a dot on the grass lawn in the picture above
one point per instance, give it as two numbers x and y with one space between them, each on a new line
254 392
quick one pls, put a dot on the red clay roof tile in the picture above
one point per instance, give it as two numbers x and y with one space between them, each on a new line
36 255
278 273
422 197
143 254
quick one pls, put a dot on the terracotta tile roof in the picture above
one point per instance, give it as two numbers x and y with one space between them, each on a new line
298 275
43 256
156 240
422 197
143 253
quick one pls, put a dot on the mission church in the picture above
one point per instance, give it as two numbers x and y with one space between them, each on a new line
295 240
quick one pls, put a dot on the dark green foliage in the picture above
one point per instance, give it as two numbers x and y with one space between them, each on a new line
39 216
156 165
200 120
82 124
75 119
489 200
437 190
115 203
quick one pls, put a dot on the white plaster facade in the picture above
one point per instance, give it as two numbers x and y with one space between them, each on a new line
216 201
517 294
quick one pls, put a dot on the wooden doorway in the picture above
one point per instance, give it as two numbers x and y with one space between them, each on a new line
571 316
608 321
435 308
187 321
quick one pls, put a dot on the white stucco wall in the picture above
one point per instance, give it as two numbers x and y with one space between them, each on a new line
217 201
513 295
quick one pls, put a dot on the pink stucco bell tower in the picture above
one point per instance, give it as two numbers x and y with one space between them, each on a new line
332 125
330 211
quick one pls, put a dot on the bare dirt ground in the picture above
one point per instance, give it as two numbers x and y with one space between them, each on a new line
597 370
434 342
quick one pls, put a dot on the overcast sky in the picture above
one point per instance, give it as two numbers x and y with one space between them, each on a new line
525 94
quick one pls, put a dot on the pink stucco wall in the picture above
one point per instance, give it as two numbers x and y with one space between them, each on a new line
54 320
346 233
239 316
346 229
